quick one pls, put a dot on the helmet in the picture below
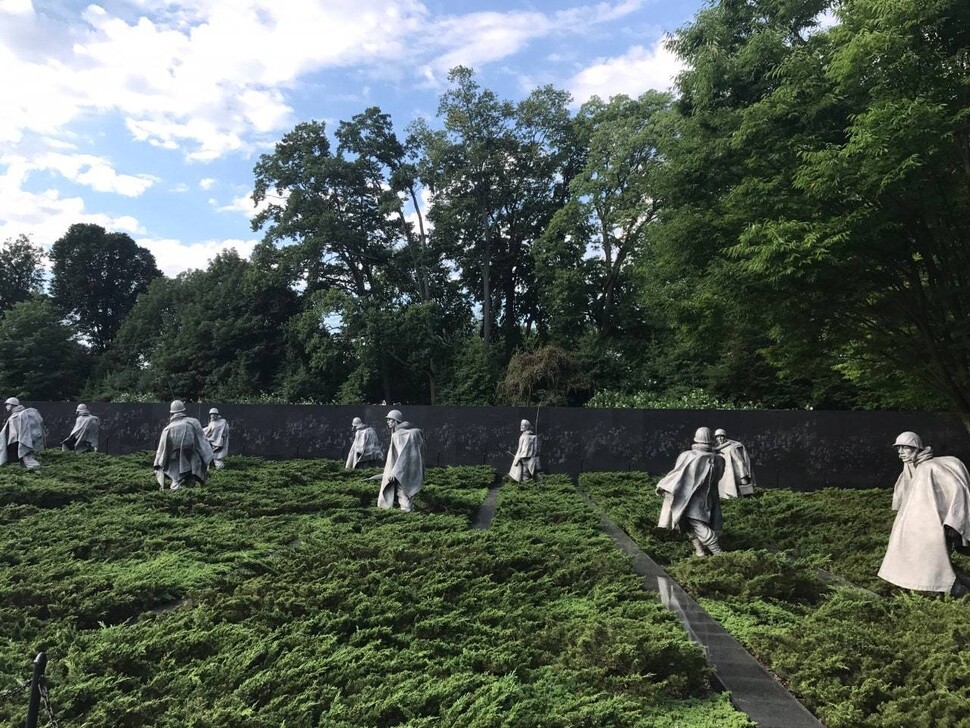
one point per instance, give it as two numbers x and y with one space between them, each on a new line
357 422
720 431
213 411
13 400
176 406
525 424
909 439
395 415
703 436
82 408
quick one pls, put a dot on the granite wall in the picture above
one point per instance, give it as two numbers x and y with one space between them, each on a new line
794 449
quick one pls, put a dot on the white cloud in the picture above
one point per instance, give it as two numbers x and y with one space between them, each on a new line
91 171
206 183
636 71
210 77
17 7
244 203
174 256
475 39
47 215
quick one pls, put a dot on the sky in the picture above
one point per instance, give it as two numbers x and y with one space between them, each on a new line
147 116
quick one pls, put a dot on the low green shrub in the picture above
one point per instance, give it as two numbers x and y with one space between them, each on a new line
864 655
278 594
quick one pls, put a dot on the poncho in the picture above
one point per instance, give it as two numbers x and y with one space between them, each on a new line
690 489
931 493
737 467
217 433
183 451
85 435
525 464
405 462
365 448
25 427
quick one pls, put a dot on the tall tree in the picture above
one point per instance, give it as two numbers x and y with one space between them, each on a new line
96 278
353 214
496 172
39 357
330 206
21 274
726 168
586 253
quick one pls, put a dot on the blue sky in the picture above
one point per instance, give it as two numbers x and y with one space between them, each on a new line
147 116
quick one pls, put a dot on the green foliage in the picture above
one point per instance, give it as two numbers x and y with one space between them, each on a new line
215 334
97 277
21 274
548 376
860 654
278 594
39 356
751 574
678 399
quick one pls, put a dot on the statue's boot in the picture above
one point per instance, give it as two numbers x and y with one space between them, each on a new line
712 545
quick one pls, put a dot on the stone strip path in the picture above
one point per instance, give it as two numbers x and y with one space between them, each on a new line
486 512
753 689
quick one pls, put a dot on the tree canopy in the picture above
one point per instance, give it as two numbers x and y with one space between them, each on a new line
97 276
784 229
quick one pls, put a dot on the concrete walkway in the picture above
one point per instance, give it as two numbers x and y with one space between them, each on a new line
753 689
486 512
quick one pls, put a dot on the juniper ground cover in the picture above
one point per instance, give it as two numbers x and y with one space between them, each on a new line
856 651
278 595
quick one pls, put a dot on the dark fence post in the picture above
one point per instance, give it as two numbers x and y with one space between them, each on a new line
33 708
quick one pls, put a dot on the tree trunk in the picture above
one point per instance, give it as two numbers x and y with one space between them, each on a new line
486 289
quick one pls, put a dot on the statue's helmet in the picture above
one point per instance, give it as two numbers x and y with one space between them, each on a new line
176 406
358 422
703 436
13 401
525 425
720 432
395 415
82 409
213 411
909 439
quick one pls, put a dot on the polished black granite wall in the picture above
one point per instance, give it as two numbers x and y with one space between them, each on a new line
789 448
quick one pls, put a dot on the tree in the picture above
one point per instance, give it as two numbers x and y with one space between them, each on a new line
97 276
216 334
839 212
21 274
496 174
39 357
728 166
586 253
549 376
347 211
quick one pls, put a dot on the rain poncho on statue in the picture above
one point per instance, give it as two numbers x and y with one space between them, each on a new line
931 495
217 433
86 433
183 451
404 468
738 478
526 464
22 435
366 448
